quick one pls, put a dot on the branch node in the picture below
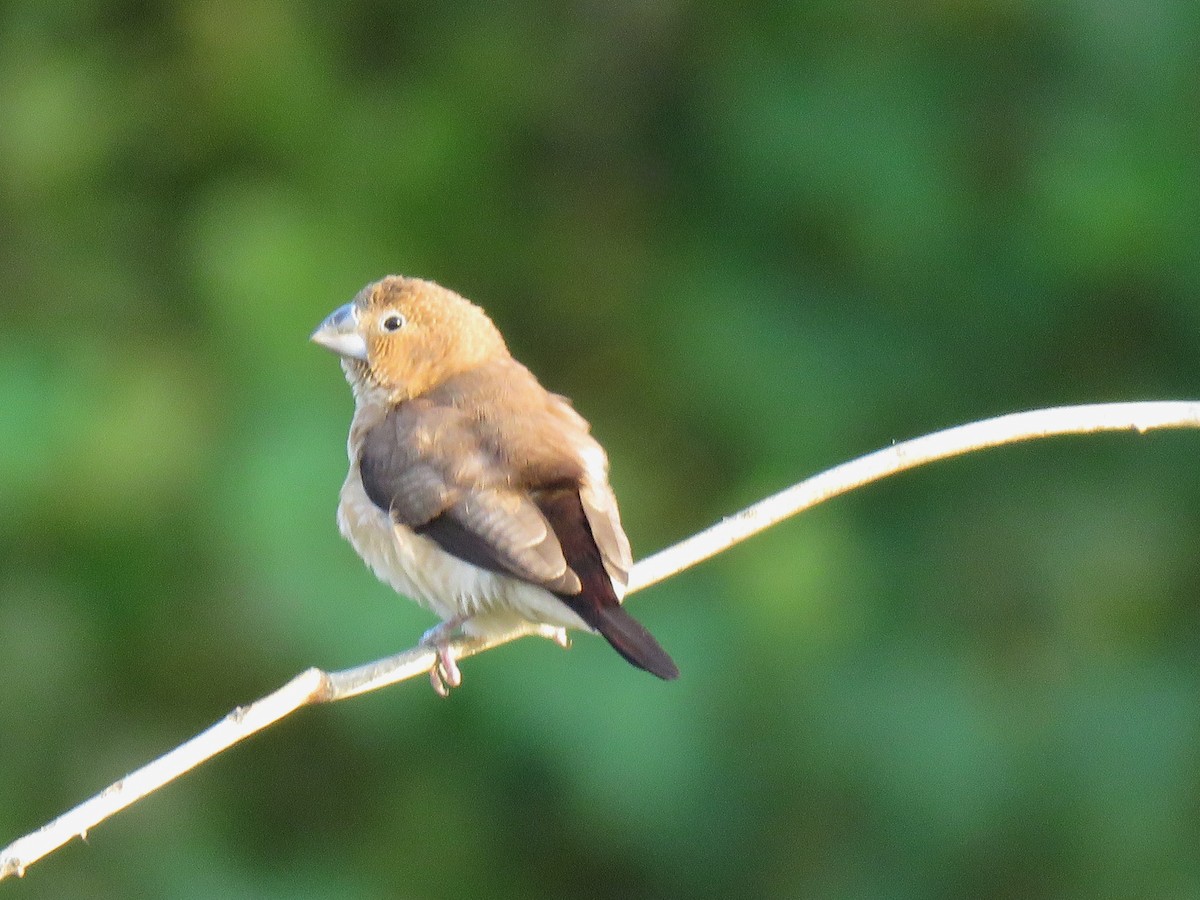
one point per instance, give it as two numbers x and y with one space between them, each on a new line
322 691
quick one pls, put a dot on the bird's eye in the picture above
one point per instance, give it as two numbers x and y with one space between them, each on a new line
393 322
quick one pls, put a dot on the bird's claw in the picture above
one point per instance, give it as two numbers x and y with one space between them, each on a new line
444 673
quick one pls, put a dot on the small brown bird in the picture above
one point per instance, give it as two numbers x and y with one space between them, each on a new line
472 489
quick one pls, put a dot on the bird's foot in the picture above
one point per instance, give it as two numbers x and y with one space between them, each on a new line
444 674
558 635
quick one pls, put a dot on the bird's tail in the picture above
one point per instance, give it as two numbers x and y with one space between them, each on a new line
631 639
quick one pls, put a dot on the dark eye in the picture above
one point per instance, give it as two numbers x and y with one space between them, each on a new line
394 322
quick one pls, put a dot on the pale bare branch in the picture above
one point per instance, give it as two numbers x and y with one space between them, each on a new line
316 686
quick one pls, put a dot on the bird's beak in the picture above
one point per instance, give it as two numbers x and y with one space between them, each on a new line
339 333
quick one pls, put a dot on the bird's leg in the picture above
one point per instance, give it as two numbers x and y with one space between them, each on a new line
444 674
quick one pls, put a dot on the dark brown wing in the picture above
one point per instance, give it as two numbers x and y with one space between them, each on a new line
597 603
426 466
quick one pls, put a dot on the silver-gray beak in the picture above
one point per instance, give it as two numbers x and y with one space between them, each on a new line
339 333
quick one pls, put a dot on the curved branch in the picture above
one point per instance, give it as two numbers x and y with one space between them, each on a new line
316 686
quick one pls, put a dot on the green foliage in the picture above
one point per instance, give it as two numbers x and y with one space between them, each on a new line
751 241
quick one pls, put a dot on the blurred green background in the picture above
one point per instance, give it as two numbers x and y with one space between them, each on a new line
751 241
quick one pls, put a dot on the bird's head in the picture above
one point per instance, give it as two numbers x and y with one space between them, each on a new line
400 336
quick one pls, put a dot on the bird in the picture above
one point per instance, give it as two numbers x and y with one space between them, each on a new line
472 489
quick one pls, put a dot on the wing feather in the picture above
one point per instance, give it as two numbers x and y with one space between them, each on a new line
429 468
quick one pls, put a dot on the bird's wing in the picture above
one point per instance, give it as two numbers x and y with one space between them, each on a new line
429 467
604 521
598 603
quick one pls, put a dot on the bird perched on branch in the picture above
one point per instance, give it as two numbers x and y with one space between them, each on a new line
472 489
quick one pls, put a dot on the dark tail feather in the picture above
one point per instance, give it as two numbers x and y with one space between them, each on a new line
630 638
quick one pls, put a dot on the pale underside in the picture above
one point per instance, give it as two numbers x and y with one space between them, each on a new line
415 566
